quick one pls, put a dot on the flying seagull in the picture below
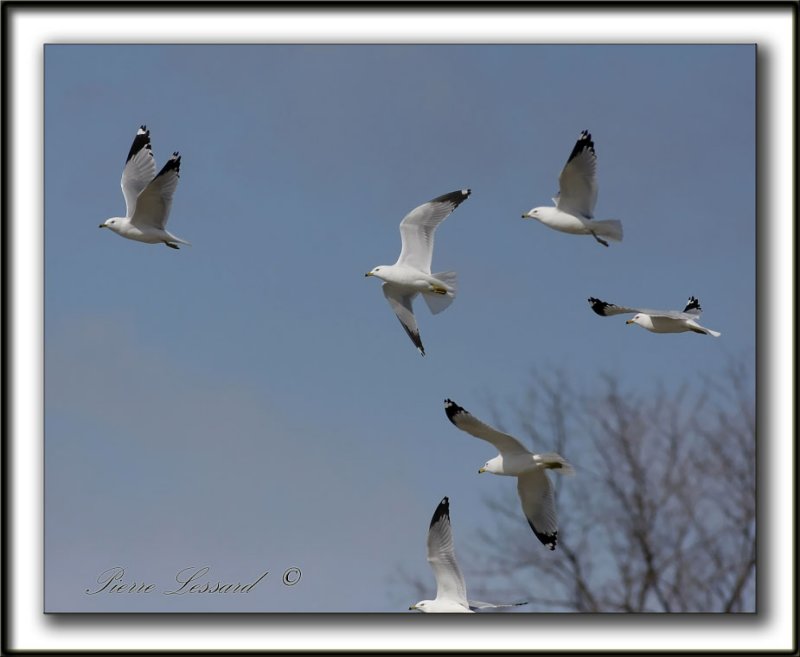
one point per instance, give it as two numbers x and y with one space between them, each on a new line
533 485
577 197
658 321
411 274
451 592
148 196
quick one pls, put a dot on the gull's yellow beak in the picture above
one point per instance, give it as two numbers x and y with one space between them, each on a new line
482 470
369 273
629 321
102 226
412 608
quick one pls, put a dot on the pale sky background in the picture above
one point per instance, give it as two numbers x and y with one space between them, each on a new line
251 403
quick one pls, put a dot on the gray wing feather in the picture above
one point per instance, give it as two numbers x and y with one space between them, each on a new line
606 309
140 169
401 305
578 179
467 422
477 604
538 505
442 558
418 226
155 202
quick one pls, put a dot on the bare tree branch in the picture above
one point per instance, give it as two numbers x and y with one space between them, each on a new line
661 515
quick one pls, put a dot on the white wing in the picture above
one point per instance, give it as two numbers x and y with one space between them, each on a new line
578 179
154 203
536 494
603 308
418 226
467 422
442 558
401 305
140 169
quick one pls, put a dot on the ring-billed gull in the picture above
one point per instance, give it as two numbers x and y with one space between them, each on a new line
658 321
533 485
411 274
577 197
451 592
148 197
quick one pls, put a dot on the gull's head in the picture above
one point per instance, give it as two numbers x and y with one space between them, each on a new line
376 271
643 320
495 466
113 223
421 606
532 214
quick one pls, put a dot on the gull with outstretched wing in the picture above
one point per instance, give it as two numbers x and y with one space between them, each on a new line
148 195
658 321
577 196
533 485
411 274
451 592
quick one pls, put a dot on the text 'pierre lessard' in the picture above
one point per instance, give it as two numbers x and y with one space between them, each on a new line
193 579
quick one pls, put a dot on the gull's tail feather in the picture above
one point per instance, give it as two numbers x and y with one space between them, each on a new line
610 228
553 461
437 301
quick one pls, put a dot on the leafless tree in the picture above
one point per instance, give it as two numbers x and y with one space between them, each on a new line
661 514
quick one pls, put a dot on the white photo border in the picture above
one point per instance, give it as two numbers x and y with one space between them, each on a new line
26 28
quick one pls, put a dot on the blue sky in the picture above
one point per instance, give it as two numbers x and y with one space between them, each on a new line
250 403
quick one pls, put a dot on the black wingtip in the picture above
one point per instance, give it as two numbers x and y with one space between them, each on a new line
455 198
598 306
442 511
452 409
140 141
172 164
414 335
584 142
692 304
548 540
